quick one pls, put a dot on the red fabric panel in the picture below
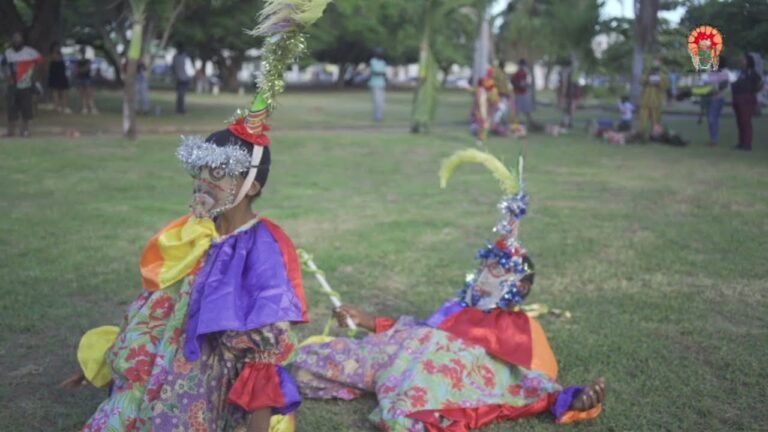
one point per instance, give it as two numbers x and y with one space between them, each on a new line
383 324
291 263
466 419
258 386
503 334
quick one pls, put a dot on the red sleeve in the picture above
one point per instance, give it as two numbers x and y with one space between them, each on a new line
383 324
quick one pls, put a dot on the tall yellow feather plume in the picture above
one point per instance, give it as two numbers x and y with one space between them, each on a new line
507 180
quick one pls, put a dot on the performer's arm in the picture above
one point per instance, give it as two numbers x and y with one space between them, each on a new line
361 319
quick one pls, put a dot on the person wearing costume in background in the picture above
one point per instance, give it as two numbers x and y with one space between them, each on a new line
475 361
378 83
745 90
655 84
20 61
202 347
485 115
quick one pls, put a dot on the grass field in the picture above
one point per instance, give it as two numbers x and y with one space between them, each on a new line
658 252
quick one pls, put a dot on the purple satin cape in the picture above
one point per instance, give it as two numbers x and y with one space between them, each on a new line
243 285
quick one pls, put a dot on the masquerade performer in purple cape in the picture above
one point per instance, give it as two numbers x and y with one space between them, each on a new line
203 346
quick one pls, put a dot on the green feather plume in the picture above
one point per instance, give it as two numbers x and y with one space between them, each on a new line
507 180
281 23
282 16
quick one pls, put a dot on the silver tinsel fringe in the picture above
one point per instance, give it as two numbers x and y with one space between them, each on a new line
195 154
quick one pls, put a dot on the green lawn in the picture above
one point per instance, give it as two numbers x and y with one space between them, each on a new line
658 252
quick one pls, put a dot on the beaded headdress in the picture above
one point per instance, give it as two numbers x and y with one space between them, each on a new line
506 252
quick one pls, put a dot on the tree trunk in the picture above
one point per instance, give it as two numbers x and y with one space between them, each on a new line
343 68
110 52
129 99
228 68
46 25
445 70
149 36
46 18
482 50
532 62
646 17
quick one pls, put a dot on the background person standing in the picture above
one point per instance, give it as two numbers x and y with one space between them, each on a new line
719 81
20 62
745 91
58 83
182 78
378 83
655 84
521 83
84 82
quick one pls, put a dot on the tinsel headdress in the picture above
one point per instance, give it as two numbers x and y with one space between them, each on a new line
280 23
506 250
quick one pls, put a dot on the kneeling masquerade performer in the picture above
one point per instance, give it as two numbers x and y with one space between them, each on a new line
203 346
475 361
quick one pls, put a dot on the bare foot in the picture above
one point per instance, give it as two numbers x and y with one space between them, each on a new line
73 382
590 397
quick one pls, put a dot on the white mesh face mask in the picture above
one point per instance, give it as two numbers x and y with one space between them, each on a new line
219 185
214 193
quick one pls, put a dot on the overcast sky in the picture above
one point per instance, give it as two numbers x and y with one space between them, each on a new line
615 8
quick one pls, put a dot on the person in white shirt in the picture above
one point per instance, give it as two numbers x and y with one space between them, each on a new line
626 109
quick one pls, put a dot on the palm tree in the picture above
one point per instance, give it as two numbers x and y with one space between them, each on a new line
437 16
138 8
646 19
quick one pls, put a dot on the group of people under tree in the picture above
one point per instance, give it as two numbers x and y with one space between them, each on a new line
21 64
713 94
499 100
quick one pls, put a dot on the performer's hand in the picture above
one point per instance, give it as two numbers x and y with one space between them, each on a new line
361 319
75 381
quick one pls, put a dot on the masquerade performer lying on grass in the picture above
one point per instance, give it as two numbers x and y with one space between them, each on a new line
475 361
202 347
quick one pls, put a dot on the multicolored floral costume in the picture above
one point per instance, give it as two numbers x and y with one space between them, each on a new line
459 370
200 352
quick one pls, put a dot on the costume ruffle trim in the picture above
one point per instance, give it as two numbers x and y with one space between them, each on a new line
383 324
265 385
